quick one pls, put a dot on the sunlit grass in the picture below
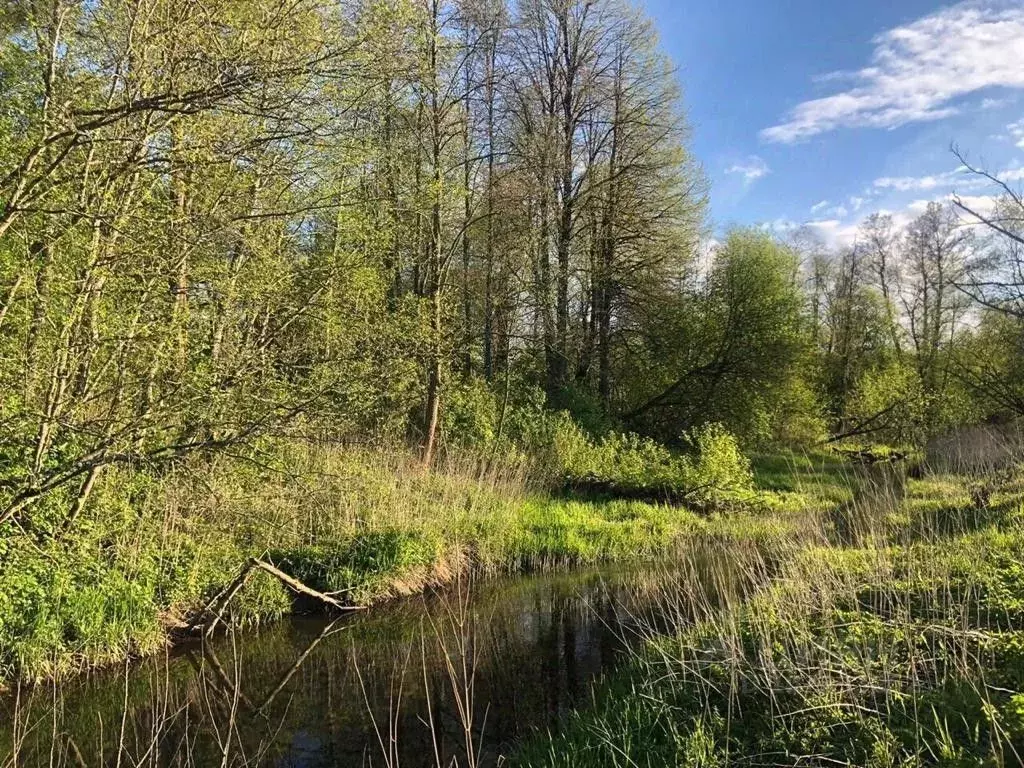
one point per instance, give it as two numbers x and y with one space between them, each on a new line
366 524
898 646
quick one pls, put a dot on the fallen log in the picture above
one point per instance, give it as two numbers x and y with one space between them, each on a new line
213 613
872 457
219 603
297 586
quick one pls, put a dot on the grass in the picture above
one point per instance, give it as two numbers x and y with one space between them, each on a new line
368 524
899 643
855 617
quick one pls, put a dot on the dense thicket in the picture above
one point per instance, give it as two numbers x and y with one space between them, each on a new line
405 219
226 219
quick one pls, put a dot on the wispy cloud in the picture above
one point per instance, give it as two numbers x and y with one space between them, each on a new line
751 170
833 232
959 178
910 183
825 208
917 71
991 103
1017 132
837 229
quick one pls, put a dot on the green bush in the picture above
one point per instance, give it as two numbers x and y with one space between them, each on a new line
720 468
470 415
713 470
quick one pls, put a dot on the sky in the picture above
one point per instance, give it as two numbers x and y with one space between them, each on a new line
821 112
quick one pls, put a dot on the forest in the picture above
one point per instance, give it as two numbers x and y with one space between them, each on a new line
395 293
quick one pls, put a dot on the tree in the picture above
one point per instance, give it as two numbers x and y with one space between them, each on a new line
733 359
935 263
153 205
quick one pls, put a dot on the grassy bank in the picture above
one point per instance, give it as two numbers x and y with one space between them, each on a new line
900 643
151 550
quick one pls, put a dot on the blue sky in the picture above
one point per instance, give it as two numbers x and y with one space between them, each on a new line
821 112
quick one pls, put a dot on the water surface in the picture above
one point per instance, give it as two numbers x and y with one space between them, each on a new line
458 675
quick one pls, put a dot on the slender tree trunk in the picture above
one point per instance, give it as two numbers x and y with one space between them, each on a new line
467 304
608 240
489 231
435 265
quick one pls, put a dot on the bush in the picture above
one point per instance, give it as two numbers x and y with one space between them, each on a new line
720 468
470 414
714 470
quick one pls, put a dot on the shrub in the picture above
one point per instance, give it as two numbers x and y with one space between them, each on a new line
714 470
470 415
719 468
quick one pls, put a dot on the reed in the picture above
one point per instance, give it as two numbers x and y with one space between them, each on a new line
364 524
894 641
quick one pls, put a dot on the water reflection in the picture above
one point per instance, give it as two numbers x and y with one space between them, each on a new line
456 677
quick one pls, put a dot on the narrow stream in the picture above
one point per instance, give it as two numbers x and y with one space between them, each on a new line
419 682
456 677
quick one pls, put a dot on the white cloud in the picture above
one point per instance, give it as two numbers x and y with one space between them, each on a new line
841 231
959 177
833 232
857 202
825 208
983 204
1010 175
994 103
1017 133
918 70
907 183
753 169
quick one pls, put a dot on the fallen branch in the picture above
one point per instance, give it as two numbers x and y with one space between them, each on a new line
872 457
220 602
216 607
297 586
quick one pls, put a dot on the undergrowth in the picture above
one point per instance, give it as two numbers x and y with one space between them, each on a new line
151 550
904 647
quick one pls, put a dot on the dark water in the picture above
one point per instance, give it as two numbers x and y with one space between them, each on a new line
423 682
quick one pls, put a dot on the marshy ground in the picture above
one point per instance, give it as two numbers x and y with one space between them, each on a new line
843 615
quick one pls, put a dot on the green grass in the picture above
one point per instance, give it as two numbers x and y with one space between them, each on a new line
860 617
906 649
150 550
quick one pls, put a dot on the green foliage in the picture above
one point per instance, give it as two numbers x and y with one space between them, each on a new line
989 360
720 465
889 404
735 351
878 656
713 470
471 414
364 568
150 550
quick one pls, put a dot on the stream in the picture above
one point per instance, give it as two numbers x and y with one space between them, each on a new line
455 677
460 674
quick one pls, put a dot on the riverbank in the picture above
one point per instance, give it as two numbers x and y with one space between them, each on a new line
362 525
843 612
401 684
901 643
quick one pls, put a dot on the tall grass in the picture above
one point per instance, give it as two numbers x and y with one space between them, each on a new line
362 523
897 640
855 617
